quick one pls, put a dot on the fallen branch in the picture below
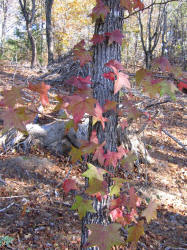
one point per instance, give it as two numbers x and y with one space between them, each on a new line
5 208
175 139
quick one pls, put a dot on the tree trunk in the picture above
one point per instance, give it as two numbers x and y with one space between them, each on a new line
104 90
29 15
33 46
164 34
4 21
148 59
49 33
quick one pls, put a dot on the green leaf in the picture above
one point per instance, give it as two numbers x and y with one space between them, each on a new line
115 188
83 206
168 88
94 172
97 186
135 232
6 240
76 154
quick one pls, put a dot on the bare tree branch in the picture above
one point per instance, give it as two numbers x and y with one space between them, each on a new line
147 7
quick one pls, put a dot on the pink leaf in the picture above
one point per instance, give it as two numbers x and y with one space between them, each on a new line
115 36
97 39
109 75
42 89
68 185
99 11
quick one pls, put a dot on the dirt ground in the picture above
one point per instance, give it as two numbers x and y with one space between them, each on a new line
36 213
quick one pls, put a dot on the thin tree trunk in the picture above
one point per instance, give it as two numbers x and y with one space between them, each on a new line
49 31
103 90
4 21
29 19
33 46
164 34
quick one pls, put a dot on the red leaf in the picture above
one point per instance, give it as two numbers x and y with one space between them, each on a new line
68 185
138 5
123 123
111 158
79 82
97 39
99 154
78 103
99 11
116 213
93 137
81 54
11 97
16 118
122 81
42 89
131 4
115 64
130 109
122 78
127 4
134 199
109 75
115 36
182 85
116 203
104 236
163 63
127 218
98 115
109 105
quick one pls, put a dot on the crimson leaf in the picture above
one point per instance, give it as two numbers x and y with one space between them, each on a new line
115 36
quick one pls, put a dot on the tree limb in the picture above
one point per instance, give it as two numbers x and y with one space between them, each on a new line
147 7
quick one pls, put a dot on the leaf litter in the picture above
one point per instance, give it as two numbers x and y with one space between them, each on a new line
36 212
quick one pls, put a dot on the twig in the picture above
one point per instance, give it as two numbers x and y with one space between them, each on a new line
5 208
175 139
14 196
145 152
147 7
157 103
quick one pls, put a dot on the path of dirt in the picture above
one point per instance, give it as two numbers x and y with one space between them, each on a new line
35 212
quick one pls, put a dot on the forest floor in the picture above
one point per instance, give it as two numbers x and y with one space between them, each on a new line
36 214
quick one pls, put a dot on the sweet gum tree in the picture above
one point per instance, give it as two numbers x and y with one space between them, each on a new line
107 208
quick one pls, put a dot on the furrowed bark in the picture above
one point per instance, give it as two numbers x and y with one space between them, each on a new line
103 90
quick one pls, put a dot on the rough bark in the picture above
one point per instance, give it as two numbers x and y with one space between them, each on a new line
49 29
29 19
103 90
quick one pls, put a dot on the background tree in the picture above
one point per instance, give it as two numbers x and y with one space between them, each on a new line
174 36
49 29
150 36
4 10
29 14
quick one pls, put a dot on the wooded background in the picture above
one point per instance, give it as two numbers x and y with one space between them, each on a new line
42 31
